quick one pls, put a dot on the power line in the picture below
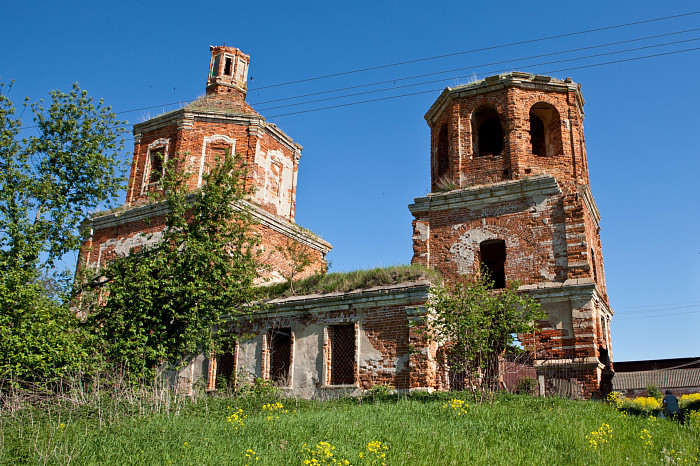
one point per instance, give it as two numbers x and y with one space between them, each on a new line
479 66
379 99
440 80
609 44
656 316
180 102
482 49
657 305
437 90
643 311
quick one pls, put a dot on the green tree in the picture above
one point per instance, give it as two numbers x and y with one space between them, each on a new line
49 183
174 299
475 324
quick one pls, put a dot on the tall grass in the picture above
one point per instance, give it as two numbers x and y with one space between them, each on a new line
416 430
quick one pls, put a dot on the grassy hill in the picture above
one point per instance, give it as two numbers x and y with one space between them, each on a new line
394 430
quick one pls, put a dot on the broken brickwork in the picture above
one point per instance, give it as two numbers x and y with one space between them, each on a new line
195 138
511 193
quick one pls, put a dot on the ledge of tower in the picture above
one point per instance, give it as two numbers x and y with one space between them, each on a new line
523 80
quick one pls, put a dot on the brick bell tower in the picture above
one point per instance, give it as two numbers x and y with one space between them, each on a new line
194 139
510 192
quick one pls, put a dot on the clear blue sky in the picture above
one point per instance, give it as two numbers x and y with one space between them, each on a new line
363 164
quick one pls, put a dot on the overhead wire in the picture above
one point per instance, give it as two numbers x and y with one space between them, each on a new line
479 66
405 78
481 49
380 99
180 102
437 90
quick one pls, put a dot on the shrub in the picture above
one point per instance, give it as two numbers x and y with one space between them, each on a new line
654 392
690 402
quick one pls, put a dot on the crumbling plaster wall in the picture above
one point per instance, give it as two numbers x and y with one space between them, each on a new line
382 341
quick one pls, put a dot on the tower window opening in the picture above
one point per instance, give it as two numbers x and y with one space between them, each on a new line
493 260
156 165
488 132
280 355
215 65
545 130
228 65
442 157
537 138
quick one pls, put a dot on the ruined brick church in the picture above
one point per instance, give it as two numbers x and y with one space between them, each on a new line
510 192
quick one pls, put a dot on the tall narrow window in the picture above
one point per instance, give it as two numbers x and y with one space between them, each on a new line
537 138
156 165
487 132
442 156
280 355
226 366
593 266
216 63
493 260
342 357
228 65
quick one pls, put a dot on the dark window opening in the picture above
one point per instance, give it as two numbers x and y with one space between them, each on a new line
489 133
537 139
215 67
280 355
604 357
442 156
595 271
156 166
226 366
228 65
342 354
545 130
493 261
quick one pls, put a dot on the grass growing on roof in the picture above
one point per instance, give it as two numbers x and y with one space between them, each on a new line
348 281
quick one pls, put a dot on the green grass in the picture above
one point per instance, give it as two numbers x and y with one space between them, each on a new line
417 430
349 281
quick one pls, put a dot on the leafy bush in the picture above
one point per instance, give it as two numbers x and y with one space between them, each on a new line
690 402
654 392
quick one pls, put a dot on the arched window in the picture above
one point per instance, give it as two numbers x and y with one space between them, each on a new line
492 258
487 132
442 158
545 130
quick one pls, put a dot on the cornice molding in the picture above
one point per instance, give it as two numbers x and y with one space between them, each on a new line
478 197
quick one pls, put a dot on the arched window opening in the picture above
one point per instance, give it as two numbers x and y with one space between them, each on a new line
545 130
492 255
537 137
442 155
488 133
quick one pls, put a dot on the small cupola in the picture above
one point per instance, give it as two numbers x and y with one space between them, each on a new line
228 71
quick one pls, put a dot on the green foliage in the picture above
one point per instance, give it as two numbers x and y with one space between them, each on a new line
349 281
654 392
49 182
169 301
297 258
475 325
